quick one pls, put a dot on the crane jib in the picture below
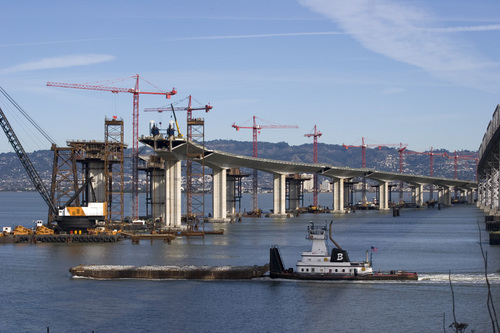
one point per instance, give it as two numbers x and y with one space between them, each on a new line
25 161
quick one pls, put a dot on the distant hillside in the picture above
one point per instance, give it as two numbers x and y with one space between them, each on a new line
14 178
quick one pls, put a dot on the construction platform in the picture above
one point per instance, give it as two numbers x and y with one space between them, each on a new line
167 237
60 238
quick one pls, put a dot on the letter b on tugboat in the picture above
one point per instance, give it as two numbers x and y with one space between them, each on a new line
339 255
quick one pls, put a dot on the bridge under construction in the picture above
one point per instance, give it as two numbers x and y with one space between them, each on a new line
173 150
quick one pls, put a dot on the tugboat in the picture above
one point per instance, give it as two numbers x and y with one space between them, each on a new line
318 264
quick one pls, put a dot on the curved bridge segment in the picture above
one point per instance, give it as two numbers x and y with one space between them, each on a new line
173 151
489 167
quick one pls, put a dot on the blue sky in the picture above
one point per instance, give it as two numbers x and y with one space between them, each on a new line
420 72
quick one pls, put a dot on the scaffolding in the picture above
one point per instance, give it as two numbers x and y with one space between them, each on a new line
114 168
104 161
195 173
234 191
155 173
64 182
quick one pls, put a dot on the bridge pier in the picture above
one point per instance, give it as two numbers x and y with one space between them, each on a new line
279 195
173 194
158 192
419 194
294 193
444 195
95 169
338 195
219 195
383 195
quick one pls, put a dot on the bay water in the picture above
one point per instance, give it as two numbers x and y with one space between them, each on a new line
37 292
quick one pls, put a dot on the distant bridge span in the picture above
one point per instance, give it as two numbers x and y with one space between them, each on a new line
488 169
174 151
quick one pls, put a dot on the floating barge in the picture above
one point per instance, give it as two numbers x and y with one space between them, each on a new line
169 272
60 238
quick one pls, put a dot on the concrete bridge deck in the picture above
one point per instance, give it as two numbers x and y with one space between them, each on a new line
488 169
174 150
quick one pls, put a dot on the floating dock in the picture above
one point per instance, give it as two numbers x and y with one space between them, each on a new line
167 237
60 238
169 272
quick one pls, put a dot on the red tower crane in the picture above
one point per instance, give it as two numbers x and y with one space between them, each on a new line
315 136
379 146
463 157
431 158
431 163
401 151
189 108
135 125
256 130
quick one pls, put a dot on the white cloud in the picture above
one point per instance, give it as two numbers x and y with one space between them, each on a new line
60 62
292 34
401 32
491 27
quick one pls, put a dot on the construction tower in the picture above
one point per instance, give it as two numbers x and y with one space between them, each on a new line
195 172
114 170
64 177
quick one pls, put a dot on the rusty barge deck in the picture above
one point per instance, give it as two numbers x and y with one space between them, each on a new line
60 238
169 272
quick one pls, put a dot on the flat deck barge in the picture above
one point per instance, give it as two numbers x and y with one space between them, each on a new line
169 272
60 238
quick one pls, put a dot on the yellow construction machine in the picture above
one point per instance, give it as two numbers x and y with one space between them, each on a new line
20 230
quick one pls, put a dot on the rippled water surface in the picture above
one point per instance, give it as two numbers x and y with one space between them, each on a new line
38 291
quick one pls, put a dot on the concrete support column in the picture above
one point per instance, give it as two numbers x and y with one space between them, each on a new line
230 196
419 194
447 195
96 170
173 194
338 195
470 197
219 193
158 192
294 191
383 195
279 195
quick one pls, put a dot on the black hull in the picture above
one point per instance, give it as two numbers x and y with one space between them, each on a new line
398 276
78 222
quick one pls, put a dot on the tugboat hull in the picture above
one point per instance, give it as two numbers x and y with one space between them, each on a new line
278 271
400 275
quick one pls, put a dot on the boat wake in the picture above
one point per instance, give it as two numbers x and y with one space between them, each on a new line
460 278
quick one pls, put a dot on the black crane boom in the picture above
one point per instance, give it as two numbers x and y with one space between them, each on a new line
26 162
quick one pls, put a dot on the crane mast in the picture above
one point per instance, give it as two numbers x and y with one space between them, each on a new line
255 131
315 136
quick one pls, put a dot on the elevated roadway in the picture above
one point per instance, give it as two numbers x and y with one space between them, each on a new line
173 151
489 166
